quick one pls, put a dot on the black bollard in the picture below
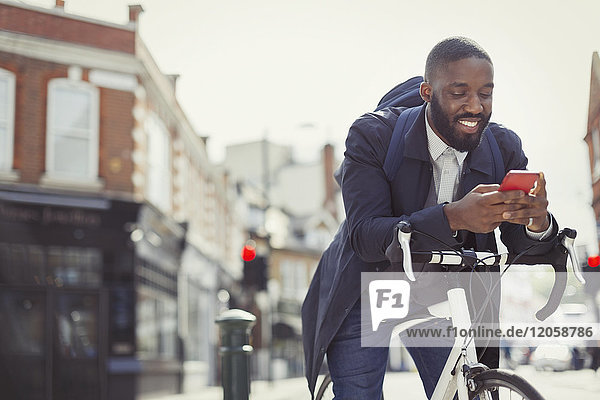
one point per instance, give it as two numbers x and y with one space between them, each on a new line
235 350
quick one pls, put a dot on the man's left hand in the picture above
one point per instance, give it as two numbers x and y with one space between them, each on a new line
534 211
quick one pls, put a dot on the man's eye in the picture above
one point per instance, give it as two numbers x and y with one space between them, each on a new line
486 95
457 94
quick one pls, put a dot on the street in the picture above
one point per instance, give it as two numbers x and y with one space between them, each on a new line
583 384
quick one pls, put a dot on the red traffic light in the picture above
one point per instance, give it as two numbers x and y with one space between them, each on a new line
594 261
248 252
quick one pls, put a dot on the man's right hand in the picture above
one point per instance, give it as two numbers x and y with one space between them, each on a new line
480 211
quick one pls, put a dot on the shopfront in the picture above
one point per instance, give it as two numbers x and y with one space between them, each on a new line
66 296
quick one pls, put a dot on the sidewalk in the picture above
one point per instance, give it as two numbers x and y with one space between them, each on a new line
407 383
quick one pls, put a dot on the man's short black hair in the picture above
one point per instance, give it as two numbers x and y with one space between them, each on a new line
452 49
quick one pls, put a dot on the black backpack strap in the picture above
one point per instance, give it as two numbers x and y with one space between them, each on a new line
395 153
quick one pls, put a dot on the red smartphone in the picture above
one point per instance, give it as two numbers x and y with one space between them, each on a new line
519 180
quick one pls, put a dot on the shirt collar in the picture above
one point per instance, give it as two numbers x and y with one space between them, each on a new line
437 146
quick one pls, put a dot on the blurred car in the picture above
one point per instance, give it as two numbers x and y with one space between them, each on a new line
552 357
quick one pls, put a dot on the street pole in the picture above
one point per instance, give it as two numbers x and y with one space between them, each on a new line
235 326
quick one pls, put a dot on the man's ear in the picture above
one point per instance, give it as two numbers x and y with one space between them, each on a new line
426 91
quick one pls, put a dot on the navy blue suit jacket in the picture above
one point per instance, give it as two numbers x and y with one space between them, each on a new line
374 206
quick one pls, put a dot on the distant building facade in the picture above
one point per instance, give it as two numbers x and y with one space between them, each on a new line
119 240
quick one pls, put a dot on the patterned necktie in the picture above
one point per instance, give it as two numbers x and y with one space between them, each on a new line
449 176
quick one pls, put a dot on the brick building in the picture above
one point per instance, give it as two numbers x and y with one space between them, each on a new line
116 232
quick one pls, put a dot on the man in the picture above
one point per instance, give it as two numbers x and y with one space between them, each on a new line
445 187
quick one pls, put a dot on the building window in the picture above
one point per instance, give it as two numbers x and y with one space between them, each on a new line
72 136
158 187
156 325
294 281
156 311
53 265
7 119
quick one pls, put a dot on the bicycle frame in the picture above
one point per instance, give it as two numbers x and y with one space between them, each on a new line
461 354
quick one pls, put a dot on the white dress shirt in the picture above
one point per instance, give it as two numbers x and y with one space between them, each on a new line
447 165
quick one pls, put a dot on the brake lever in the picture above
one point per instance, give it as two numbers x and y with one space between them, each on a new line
404 234
569 243
567 240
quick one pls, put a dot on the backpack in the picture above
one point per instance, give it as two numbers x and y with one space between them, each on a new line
406 94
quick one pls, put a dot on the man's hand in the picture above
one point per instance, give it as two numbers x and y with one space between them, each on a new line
484 208
534 208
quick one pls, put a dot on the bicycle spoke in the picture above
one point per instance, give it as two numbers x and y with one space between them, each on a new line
503 394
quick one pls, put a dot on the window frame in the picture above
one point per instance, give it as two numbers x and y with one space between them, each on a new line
94 129
159 170
10 120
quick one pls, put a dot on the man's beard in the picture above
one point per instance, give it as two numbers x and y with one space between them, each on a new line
456 139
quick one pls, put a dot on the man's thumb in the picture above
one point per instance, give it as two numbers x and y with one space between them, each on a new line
486 188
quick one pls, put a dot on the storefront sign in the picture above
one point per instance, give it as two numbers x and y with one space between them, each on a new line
50 215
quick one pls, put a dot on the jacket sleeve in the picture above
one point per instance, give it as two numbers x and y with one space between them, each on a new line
367 196
514 236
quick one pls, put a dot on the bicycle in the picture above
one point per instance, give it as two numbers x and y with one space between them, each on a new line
479 381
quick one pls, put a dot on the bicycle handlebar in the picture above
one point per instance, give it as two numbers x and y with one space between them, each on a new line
557 257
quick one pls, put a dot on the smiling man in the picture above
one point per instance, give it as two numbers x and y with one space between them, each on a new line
446 186
460 125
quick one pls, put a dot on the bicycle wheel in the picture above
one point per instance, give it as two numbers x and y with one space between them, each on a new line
503 385
325 391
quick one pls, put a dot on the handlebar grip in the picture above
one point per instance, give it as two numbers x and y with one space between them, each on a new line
558 258
560 283
404 234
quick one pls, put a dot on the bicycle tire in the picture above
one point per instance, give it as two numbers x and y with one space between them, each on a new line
495 380
325 385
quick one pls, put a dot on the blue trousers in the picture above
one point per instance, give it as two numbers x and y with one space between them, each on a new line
357 372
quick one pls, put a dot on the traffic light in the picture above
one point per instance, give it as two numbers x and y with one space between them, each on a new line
593 261
592 285
255 273
255 267
249 251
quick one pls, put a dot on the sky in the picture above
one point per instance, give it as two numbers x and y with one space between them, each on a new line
299 72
